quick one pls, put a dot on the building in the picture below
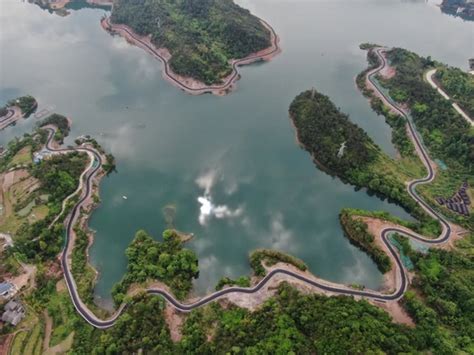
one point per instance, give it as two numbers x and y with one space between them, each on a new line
14 313
7 290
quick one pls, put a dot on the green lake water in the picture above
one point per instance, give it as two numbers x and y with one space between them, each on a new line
229 166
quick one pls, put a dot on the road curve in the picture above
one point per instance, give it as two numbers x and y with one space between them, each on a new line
206 89
7 120
92 170
429 77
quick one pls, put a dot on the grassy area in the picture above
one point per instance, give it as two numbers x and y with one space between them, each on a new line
18 342
23 157
38 213
84 274
60 309
34 341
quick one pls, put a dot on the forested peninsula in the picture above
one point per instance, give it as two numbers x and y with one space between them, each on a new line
199 40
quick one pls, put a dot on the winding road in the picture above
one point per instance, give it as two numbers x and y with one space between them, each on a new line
170 75
429 77
96 163
7 119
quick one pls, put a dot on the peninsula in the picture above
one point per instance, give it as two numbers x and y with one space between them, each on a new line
201 43
15 109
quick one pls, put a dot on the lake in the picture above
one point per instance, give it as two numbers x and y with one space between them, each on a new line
227 169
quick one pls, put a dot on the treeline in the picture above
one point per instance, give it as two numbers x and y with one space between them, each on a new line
242 281
446 134
398 123
270 257
289 323
357 233
166 261
459 85
202 36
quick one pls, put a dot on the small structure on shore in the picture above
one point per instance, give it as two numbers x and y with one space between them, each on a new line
39 156
14 313
7 290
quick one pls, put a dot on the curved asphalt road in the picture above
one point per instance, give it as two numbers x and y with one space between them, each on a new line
168 72
90 317
9 115
5 120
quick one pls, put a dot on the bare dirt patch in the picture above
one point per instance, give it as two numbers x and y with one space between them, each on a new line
174 320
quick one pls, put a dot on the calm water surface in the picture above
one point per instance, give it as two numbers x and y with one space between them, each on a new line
228 168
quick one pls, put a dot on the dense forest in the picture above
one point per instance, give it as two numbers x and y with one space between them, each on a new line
459 85
202 36
447 135
165 261
335 142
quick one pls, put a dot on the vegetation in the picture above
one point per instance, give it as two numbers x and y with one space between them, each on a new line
242 281
165 261
446 134
109 165
61 122
59 177
461 8
271 257
288 323
459 85
398 123
82 271
357 232
202 36
27 104
443 304
141 329
344 149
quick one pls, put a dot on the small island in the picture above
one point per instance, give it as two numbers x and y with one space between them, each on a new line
201 43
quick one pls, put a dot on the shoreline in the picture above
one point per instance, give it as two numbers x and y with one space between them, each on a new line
187 84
